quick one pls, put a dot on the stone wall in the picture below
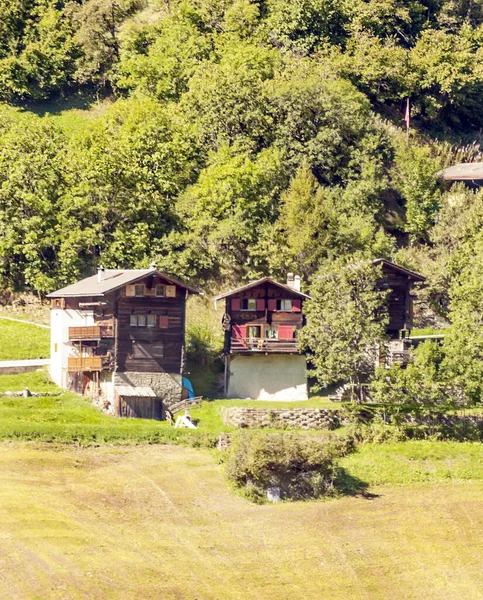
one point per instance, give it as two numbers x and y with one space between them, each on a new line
294 418
166 386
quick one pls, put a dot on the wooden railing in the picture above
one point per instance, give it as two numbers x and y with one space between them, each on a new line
92 332
261 345
85 363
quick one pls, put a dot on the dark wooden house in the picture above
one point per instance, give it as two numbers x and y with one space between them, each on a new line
117 335
261 322
400 282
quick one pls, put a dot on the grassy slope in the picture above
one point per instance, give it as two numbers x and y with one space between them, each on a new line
68 418
159 522
22 341
415 462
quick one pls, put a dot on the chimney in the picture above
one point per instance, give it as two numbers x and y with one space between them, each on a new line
100 274
293 282
153 266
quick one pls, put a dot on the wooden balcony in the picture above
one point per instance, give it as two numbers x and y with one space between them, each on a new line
86 363
93 332
263 346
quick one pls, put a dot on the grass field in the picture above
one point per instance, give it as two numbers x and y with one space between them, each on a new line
159 522
20 341
71 418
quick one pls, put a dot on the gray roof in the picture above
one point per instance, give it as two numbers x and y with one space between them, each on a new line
112 280
129 391
253 284
463 172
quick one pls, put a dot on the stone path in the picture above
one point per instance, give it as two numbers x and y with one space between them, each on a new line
28 322
12 367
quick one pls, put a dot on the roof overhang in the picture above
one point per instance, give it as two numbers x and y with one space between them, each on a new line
390 265
139 277
255 284
462 172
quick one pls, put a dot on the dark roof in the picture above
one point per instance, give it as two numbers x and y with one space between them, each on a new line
253 284
112 280
463 172
399 269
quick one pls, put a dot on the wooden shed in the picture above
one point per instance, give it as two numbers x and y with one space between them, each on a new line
137 402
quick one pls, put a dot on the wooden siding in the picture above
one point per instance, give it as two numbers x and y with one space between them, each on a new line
139 408
264 314
149 340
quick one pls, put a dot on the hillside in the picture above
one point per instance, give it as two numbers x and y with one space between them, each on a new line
233 139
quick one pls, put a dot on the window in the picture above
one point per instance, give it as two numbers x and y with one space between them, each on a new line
248 304
284 305
138 320
271 332
139 290
160 291
254 331
151 320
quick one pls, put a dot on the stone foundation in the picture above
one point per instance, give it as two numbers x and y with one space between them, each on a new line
295 418
167 386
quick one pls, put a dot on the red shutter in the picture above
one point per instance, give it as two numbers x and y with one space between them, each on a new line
163 322
239 331
285 332
235 304
272 304
260 304
296 305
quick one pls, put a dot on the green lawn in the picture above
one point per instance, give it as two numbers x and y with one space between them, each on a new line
414 462
71 418
209 414
158 522
20 341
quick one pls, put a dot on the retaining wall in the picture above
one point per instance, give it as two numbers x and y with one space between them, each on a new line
294 418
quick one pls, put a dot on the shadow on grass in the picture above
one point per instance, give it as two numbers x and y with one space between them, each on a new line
348 485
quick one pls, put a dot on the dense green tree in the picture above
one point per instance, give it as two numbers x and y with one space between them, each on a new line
346 323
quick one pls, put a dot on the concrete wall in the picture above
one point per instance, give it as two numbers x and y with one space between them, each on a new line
268 377
166 386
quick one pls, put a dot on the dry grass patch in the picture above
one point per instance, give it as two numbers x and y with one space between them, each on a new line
159 522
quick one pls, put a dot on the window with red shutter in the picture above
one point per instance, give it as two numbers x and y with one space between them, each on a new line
260 304
296 305
272 304
163 322
235 304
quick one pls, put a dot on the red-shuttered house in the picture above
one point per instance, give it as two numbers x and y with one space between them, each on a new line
261 322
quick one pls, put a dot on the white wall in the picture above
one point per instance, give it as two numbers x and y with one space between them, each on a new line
268 377
60 348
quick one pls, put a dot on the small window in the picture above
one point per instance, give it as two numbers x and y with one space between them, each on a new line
139 290
138 320
160 291
271 332
284 305
254 331
151 320
248 304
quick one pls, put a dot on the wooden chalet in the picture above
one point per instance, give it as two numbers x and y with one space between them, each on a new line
261 320
399 281
119 336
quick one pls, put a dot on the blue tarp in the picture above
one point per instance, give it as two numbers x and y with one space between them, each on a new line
188 385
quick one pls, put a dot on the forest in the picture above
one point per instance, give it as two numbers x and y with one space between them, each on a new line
246 138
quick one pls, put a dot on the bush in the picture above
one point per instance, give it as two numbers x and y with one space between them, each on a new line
301 467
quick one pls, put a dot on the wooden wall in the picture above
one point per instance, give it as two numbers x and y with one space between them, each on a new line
149 338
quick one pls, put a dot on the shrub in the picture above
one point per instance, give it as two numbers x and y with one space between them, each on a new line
300 466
